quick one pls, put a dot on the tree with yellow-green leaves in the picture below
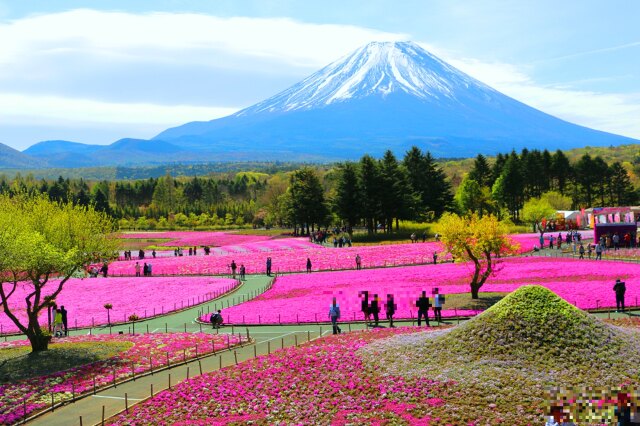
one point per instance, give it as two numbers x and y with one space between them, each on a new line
476 239
42 244
535 211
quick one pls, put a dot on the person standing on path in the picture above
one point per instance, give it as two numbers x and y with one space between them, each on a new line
364 306
581 251
559 241
334 315
435 257
57 323
268 266
541 242
423 308
149 272
390 309
589 250
63 312
137 267
242 272
551 238
375 309
438 299
599 252
104 270
308 265
233 269
358 262
620 289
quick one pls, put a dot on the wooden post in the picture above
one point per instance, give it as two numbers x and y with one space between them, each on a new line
268 348
169 380
255 351
102 422
80 420
308 336
200 367
187 373
167 358
126 402
235 355
220 362
151 390
295 337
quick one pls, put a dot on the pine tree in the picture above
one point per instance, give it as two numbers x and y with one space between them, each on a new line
348 198
481 172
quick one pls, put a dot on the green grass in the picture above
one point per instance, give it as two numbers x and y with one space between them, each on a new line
19 363
143 243
273 232
361 237
500 363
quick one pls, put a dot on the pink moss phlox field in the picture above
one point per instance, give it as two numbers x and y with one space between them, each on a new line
322 258
528 241
84 299
197 238
306 297
147 350
323 382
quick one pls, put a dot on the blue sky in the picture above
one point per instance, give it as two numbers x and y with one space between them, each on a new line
96 71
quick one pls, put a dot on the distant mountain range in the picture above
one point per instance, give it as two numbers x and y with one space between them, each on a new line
382 96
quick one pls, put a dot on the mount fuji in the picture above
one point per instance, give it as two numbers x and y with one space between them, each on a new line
385 95
389 95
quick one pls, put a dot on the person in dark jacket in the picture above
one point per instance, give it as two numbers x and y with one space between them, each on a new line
423 308
105 269
308 265
364 304
620 289
375 309
63 311
390 309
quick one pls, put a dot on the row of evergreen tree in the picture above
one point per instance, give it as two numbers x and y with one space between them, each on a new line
514 178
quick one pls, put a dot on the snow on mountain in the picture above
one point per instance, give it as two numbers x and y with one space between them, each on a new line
379 68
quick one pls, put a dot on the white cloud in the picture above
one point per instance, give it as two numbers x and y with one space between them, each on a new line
612 112
20 108
43 58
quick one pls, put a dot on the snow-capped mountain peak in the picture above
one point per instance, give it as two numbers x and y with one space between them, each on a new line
379 68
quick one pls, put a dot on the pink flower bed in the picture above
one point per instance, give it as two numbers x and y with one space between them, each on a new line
198 238
324 382
322 258
148 351
84 299
306 297
528 241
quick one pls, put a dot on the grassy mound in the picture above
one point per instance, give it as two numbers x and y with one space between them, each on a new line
19 363
500 364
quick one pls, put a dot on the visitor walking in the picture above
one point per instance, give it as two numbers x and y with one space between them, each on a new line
551 239
358 262
589 250
57 323
63 312
616 241
105 269
438 300
137 267
233 269
559 241
599 252
242 272
153 254
423 308
149 272
541 241
145 270
334 315
268 266
375 309
435 257
620 288
364 306
390 309
308 265
581 251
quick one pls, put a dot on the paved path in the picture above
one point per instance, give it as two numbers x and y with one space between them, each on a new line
265 339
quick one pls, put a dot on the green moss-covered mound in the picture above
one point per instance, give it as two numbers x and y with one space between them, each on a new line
501 364
536 325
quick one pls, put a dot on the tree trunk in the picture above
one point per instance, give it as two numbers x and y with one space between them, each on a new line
475 289
39 341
